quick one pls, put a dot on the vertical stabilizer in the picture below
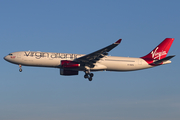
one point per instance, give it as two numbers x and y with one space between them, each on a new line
160 51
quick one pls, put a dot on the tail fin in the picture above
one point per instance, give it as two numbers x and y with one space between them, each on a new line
160 51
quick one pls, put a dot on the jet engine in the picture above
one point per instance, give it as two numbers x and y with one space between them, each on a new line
69 64
65 64
68 72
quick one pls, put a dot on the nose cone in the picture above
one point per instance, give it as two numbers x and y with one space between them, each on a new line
10 58
5 58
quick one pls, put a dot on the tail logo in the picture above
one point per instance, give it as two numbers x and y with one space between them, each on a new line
157 55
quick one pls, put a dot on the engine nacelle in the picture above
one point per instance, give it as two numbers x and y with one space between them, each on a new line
68 72
69 64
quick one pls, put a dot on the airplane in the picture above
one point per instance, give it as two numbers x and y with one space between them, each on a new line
71 64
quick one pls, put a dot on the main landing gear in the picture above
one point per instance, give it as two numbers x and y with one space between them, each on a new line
20 68
88 75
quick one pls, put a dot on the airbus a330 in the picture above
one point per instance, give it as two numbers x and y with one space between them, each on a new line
71 64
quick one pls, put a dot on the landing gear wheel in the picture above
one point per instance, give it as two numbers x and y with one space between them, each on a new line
20 70
91 75
90 79
86 76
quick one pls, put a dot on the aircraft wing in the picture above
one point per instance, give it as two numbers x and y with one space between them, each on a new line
90 59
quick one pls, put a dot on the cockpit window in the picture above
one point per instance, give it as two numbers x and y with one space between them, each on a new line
10 54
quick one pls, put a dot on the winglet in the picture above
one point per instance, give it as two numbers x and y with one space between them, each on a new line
117 42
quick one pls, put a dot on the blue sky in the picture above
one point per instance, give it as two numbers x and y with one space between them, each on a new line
84 27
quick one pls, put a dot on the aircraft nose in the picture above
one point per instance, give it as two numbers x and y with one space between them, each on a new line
5 58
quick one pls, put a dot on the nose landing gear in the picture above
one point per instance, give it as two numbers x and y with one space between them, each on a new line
20 68
88 75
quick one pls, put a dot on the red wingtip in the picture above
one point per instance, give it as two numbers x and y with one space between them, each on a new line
117 42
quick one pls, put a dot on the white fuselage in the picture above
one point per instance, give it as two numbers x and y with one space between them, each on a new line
46 59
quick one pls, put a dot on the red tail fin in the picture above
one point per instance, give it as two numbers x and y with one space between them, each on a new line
160 51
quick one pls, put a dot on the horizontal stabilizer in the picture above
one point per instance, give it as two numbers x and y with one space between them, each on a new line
164 59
